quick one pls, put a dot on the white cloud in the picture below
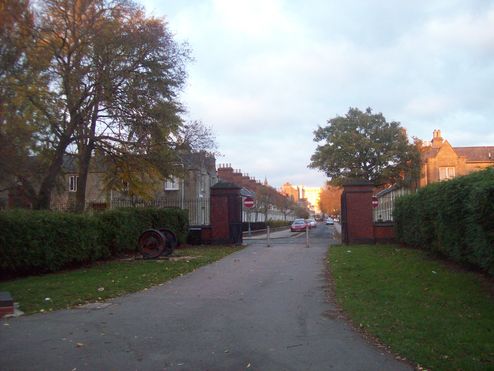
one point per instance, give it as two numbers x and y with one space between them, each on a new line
257 19
267 73
428 106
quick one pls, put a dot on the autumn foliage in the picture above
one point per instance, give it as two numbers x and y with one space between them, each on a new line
330 200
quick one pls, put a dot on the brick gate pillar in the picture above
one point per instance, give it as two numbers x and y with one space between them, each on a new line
356 212
226 214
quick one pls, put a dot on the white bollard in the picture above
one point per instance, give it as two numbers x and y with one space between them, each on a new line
269 237
306 237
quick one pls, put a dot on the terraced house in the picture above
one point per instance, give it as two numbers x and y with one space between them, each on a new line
190 190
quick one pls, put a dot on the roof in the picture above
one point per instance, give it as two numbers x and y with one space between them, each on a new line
385 191
198 160
429 153
190 161
476 153
225 185
247 192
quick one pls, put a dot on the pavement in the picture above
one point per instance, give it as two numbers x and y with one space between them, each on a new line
262 308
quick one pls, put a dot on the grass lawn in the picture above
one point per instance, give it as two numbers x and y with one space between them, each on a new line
425 310
105 280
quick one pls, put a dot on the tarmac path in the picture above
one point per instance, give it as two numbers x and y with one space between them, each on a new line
262 308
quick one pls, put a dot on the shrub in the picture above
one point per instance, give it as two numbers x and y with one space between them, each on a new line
43 241
453 218
120 228
278 223
39 241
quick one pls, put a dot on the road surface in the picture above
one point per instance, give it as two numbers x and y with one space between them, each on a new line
262 308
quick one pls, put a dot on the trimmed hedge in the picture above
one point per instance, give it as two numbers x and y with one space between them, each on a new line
453 218
120 228
44 241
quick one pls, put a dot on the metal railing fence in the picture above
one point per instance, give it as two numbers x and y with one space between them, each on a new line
384 210
198 209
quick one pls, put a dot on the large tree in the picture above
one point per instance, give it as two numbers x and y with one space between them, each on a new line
364 145
19 121
110 82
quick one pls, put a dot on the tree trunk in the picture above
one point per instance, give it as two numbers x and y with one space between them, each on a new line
84 162
43 201
86 148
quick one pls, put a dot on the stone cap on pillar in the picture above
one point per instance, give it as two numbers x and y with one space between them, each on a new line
357 183
225 185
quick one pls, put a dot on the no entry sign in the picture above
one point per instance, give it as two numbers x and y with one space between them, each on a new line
375 202
248 202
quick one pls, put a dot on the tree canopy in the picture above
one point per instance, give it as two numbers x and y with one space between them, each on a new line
363 145
87 75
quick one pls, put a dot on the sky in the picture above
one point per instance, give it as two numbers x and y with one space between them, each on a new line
267 73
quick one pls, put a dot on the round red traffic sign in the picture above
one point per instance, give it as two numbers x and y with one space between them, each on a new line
248 202
375 202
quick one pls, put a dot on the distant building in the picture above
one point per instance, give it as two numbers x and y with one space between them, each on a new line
269 203
298 193
441 161
291 191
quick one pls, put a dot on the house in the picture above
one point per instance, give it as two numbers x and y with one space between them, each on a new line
270 204
190 190
440 161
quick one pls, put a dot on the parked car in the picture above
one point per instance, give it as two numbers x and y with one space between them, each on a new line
298 225
329 221
311 223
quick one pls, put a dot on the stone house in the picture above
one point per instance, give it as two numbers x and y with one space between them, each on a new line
190 190
441 161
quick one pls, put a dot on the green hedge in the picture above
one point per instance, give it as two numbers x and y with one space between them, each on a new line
44 241
120 228
278 223
453 218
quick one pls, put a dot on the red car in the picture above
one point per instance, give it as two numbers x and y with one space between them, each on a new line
298 225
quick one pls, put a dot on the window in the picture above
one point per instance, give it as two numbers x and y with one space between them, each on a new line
172 184
73 180
446 173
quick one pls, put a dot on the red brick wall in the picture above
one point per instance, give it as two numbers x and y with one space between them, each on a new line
384 233
359 224
219 218
226 213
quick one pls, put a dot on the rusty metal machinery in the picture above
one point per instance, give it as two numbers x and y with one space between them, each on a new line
154 243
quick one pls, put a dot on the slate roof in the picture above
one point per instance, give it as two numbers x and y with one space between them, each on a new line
476 153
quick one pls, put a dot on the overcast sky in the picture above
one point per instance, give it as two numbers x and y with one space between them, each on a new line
267 73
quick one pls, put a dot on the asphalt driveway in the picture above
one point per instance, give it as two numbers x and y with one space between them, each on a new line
263 308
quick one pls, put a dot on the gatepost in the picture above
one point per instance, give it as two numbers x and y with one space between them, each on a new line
226 214
356 212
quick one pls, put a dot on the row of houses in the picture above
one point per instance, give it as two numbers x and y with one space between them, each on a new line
270 203
191 190
440 161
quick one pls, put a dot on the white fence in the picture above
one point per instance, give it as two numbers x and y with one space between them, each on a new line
386 202
253 215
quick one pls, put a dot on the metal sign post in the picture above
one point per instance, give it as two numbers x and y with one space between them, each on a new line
269 236
375 202
248 204
306 237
